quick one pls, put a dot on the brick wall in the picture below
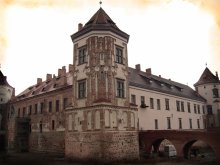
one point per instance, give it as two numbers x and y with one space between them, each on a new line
102 145
47 142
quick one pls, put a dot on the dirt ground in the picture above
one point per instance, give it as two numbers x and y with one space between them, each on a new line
45 159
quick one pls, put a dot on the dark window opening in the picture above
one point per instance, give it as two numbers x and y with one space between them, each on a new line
119 55
57 105
120 88
82 55
81 89
50 106
53 124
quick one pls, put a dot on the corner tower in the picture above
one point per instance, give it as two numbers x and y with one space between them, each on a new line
208 86
101 124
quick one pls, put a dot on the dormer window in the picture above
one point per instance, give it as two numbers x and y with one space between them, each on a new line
119 55
82 55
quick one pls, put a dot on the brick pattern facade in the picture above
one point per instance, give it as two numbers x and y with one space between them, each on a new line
101 146
47 142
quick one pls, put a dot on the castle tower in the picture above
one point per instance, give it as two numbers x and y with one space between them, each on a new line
101 124
208 86
6 92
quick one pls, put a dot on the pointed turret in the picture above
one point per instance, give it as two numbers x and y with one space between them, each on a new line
100 21
6 91
207 77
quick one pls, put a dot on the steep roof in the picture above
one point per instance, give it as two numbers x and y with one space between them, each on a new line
54 84
156 83
207 77
136 79
102 22
3 79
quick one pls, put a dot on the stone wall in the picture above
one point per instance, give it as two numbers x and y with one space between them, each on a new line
108 146
47 142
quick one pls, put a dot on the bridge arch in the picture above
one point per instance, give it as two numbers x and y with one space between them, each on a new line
203 147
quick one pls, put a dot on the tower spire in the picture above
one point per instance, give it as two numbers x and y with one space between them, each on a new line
100 2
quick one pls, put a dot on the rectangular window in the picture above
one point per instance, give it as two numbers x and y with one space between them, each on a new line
190 123
209 110
188 107
180 123
120 88
142 100
65 103
151 103
82 55
182 106
41 107
198 108
24 109
50 106
35 108
156 123
198 123
195 111
168 123
203 109
30 110
19 112
57 105
158 104
82 89
119 55
167 104
177 105
53 124
133 99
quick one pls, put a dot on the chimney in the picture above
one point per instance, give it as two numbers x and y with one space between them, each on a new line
80 26
138 67
70 67
49 77
159 75
63 71
148 71
39 80
59 72
216 74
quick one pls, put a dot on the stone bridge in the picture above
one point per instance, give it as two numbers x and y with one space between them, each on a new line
181 139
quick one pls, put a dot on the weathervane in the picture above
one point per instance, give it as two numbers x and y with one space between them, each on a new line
100 2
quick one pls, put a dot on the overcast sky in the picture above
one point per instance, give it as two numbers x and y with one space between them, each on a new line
175 38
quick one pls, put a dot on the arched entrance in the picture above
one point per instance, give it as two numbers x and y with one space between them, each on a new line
198 149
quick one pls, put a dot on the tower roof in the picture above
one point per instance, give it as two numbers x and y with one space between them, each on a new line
102 22
207 77
3 79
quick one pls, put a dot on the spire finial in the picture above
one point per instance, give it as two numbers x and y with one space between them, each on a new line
100 2
206 64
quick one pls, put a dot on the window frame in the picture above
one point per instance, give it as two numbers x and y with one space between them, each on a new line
82 55
119 55
158 104
133 99
120 88
81 89
152 103
167 104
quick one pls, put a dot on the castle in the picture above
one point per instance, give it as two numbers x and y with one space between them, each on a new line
96 108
